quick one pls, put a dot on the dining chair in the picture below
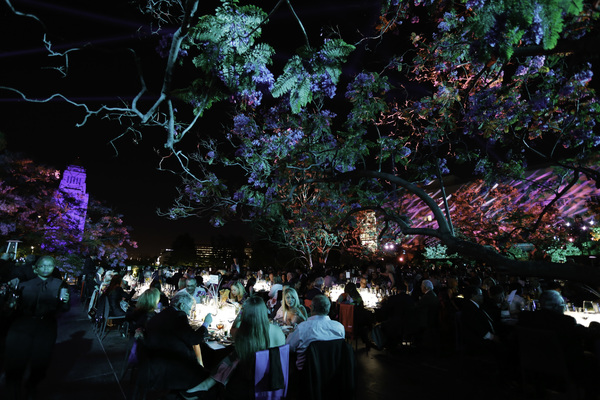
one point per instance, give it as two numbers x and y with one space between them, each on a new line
103 318
328 372
543 364
346 318
271 373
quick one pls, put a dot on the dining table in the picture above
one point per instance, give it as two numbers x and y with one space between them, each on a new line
583 317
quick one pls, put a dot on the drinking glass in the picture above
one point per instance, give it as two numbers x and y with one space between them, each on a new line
588 307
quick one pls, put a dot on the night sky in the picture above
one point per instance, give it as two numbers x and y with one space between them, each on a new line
101 73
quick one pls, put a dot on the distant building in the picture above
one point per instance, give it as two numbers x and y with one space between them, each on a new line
72 195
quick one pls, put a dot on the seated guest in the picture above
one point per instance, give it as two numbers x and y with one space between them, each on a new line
582 365
317 288
145 308
364 284
495 305
276 287
427 317
318 327
173 346
237 293
116 294
292 279
515 299
478 331
350 295
250 285
291 311
108 275
254 333
397 317
193 289
163 300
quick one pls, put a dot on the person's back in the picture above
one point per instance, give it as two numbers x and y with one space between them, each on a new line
551 318
318 327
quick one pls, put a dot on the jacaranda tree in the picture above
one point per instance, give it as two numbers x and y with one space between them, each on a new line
473 88
29 212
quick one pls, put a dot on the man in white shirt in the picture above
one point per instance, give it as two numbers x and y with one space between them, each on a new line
191 286
318 327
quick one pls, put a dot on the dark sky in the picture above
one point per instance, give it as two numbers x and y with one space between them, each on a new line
101 72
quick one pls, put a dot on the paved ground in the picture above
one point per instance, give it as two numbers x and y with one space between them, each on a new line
84 368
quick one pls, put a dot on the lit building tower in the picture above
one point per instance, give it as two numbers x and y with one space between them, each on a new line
368 230
72 185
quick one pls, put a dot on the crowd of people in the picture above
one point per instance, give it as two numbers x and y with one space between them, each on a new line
437 309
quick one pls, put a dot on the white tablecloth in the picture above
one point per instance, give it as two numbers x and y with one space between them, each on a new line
584 318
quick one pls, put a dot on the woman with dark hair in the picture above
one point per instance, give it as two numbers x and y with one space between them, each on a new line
350 295
116 294
254 333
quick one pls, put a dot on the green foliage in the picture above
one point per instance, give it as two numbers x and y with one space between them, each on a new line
303 73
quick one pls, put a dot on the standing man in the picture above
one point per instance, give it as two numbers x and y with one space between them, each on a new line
32 335
235 267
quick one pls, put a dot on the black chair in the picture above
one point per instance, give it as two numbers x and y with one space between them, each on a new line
103 317
543 365
329 371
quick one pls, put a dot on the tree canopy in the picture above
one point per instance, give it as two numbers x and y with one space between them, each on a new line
347 122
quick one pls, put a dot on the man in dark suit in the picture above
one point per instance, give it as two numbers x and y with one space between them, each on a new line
397 317
582 366
427 317
478 333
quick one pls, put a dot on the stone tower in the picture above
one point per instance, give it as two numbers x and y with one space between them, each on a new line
72 185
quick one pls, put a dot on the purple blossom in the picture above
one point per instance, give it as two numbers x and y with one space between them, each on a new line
475 4
237 196
536 26
323 84
261 76
210 154
164 45
270 192
243 125
585 76
251 97
443 26
540 103
522 70
404 152
536 63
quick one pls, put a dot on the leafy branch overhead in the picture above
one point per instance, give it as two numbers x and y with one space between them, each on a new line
428 92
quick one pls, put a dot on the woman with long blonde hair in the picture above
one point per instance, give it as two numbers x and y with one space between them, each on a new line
291 311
